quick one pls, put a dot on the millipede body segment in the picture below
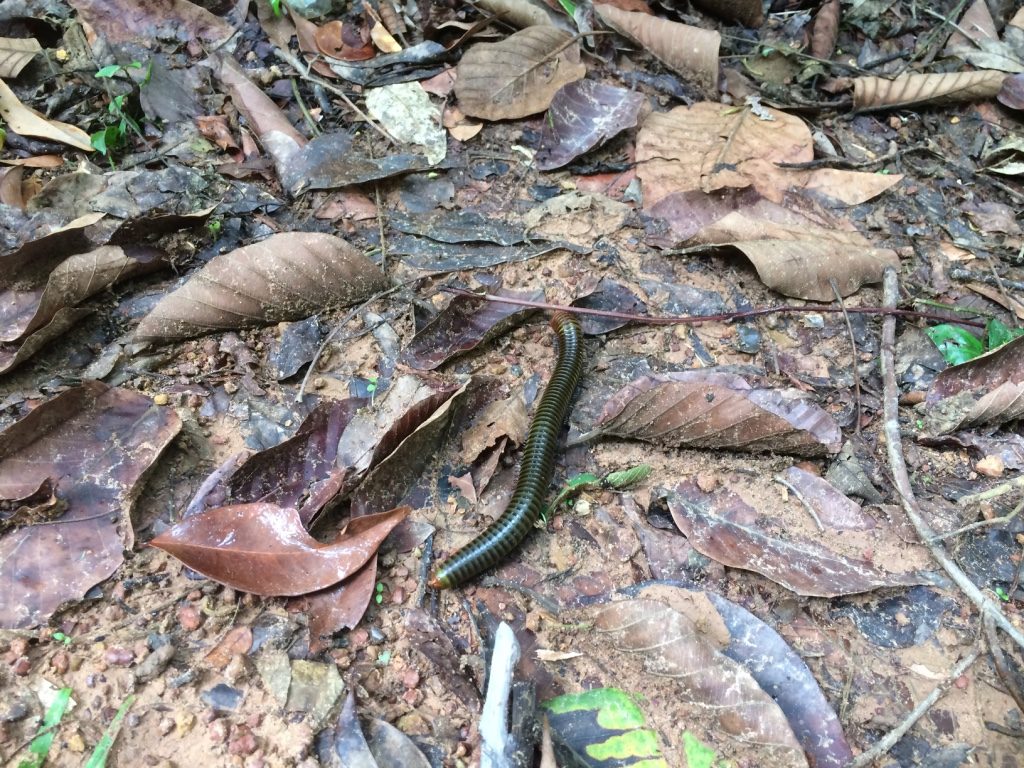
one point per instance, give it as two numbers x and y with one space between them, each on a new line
535 470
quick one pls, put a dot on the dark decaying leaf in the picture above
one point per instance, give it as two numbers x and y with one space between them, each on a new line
119 21
285 277
293 470
459 227
708 409
430 639
749 13
716 697
804 566
426 254
264 549
392 747
329 162
517 76
417 62
349 743
464 324
780 672
1011 94
986 390
93 444
582 115
613 296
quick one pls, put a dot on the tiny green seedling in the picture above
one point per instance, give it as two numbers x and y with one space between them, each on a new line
275 6
1002 594
113 135
378 593
60 637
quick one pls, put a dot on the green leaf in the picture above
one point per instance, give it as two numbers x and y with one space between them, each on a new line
569 7
1000 333
108 71
956 344
627 477
98 759
40 746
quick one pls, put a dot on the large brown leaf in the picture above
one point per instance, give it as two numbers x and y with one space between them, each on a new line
714 695
690 51
722 526
118 21
264 549
93 444
708 409
936 88
519 75
285 277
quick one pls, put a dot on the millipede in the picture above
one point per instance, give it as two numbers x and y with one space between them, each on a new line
535 469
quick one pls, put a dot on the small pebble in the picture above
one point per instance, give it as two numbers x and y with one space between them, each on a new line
161 398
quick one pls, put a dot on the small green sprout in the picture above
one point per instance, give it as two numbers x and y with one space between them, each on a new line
60 637
1002 594
378 596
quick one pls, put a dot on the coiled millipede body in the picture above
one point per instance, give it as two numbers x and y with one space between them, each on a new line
535 470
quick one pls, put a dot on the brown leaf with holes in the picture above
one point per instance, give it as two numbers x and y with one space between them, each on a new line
519 75
285 277
264 549
692 52
716 696
914 89
708 409
15 53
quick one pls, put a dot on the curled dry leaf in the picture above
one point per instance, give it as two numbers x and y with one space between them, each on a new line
708 409
28 122
715 696
986 390
940 88
826 29
285 277
692 52
519 75
264 549
15 53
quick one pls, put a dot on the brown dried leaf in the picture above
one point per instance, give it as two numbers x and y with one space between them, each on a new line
237 641
939 88
797 248
521 13
70 441
986 390
719 697
707 409
519 75
28 122
15 53
276 133
803 565
285 277
749 13
690 51
1012 92
263 548
826 29
344 41
125 21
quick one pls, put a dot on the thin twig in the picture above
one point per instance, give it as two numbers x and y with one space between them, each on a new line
982 523
693 319
999 660
901 479
306 74
991 493
890 739
807 505
853 345
313 127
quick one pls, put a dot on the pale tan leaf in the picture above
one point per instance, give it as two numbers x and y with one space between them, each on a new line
519 75
28 122
912 89
285 277
709 146
520 13
15 53
690 51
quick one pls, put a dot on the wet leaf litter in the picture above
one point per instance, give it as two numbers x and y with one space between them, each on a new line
276 329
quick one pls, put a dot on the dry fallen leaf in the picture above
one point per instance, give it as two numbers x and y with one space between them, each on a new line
938 88
28 122
519 75
285 277
708 409
690 51
15 53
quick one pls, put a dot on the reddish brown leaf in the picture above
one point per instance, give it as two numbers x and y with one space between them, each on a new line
826 29
707 409
93 443
1011 94
237 641
121 21
465 323
285 277
519 75
264 549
